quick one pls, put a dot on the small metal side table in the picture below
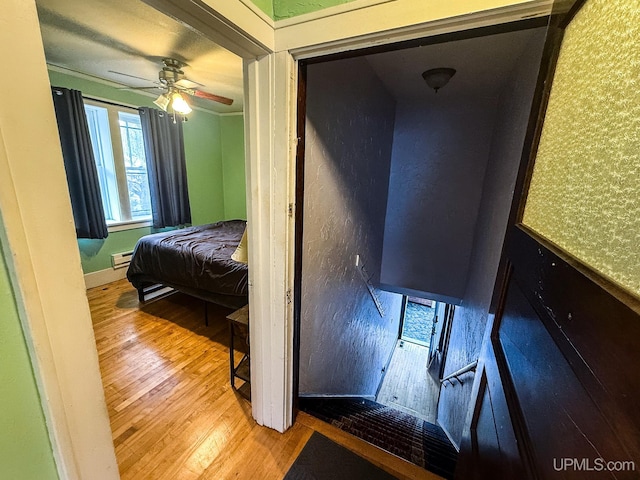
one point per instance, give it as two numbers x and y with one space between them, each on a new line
239 340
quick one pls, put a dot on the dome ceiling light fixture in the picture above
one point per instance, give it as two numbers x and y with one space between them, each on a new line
437 78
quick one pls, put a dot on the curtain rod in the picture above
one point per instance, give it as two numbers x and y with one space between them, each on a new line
109 102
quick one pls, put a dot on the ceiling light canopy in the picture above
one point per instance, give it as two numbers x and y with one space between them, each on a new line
437 78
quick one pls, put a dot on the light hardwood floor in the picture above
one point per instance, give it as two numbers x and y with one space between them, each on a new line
407 386
172 410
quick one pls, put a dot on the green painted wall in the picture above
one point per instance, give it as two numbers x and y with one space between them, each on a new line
265 5
95 255
203 151
281 9
25 451
290 8
585 189
235 200
205 170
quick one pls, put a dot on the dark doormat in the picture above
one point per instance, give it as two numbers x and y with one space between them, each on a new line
323 459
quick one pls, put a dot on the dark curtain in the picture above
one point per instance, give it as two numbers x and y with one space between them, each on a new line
79 164
164 149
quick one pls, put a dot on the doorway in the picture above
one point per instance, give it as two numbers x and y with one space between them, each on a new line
370 169
418 323
411 382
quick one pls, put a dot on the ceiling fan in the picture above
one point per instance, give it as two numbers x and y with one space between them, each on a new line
175 86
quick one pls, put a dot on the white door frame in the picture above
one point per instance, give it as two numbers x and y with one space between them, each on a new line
270 100
42 256
37 228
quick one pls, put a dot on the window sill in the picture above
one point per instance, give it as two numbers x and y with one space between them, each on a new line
120 226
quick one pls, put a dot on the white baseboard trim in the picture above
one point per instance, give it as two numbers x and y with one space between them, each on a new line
102 277
446 432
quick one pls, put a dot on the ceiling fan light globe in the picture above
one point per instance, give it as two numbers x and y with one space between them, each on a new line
179 104
162 101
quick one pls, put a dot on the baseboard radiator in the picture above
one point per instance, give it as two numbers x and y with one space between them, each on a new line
121 260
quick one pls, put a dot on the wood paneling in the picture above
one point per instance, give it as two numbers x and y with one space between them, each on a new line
492 435
172 410
570 348
559 379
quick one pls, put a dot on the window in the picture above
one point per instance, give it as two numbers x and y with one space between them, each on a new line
116 138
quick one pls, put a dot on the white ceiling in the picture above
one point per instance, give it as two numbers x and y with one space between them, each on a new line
100 37
482 64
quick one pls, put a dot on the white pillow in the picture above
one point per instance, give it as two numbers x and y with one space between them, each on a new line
241 255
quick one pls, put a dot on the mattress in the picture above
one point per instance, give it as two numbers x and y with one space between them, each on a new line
195 259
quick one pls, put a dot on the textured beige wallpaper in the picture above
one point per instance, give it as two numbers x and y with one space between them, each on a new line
585 191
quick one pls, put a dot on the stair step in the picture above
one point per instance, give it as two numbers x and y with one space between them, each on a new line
402 434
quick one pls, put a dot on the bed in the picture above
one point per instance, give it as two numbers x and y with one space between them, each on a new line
195 260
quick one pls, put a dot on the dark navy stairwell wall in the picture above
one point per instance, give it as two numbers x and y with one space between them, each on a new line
344 341
468 327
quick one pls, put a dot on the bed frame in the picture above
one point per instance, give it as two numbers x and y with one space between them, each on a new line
170 261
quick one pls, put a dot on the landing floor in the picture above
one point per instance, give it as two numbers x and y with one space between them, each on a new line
407 386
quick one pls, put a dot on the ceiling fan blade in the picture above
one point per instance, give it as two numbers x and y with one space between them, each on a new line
186 83
155 87
131 76
211 96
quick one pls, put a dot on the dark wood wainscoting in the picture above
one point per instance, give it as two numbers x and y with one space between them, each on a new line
559 391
